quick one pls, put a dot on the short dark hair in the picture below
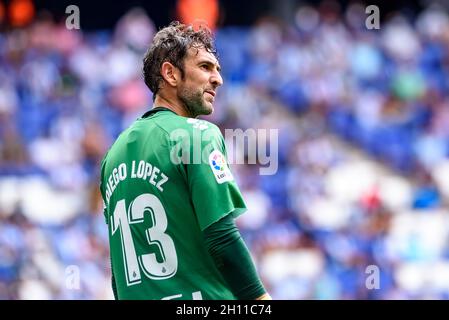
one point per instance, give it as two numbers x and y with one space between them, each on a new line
171 44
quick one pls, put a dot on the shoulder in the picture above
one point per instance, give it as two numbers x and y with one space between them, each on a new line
174 124
203 126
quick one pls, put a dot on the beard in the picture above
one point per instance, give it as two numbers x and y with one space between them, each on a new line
194 102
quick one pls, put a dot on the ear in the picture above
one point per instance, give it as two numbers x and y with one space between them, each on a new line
170 73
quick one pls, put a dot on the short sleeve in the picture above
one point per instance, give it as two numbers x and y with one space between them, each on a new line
214 192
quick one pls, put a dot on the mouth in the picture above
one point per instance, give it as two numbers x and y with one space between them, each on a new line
212 93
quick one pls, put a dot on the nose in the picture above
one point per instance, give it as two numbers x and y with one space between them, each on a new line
216 79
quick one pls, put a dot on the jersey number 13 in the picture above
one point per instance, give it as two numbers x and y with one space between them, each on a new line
122 218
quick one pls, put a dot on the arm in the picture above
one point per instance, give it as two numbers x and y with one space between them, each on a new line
233 260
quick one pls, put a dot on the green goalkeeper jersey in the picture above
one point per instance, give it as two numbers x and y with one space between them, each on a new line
163 182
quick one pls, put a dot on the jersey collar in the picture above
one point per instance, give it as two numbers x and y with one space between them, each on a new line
155 110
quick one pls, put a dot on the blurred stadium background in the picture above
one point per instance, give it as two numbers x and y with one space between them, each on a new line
363 119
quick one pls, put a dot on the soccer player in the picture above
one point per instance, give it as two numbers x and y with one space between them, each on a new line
170 198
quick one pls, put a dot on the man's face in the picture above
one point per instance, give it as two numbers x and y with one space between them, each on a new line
201 79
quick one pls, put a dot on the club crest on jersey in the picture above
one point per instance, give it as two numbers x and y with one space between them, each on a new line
198 124
219 167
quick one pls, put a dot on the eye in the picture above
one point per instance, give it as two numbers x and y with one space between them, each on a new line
204 66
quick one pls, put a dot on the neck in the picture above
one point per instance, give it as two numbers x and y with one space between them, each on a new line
171 104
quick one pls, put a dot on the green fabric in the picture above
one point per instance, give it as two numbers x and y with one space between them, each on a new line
113 284
156 208
233 259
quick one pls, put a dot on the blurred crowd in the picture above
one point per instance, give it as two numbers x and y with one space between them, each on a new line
357 208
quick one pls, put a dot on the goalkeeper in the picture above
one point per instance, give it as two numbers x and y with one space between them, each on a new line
170 198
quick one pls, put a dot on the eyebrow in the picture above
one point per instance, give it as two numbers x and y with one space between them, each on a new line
209 62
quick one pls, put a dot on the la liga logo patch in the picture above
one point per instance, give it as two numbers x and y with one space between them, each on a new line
219 167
